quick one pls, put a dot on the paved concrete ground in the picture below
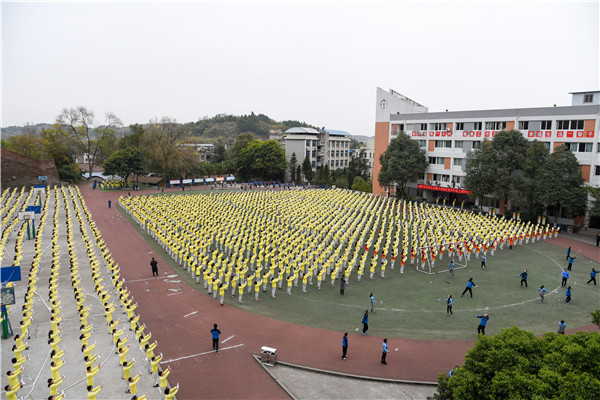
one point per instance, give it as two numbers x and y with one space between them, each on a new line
37 368
306 384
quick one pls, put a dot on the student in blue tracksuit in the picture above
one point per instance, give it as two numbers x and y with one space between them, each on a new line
524 278
344 345
449 303
484 319
365 322
384 351
592 276
571 259
568 253
215 337
469 287
568 294
565 277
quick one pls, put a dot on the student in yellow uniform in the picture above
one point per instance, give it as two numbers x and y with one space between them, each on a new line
241 287
89 361
170 393
257 284
92 392
274 280
133 383
154 364
87 350
13 376
54 384
290 283
127 369
54 367
150 350
123 354
163 375
90 372
11 391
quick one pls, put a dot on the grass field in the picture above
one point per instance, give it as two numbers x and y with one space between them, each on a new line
412 305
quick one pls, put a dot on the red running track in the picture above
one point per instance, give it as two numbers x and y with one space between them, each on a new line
181 320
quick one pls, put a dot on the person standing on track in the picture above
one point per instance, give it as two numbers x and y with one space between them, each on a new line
344 345
154 266
215 337
384 351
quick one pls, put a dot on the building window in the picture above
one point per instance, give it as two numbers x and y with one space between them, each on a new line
477 125
460 126
308 153
495 125
579 147
457 179
312 164
438 126
423 127
523 124
570 124
588 98
445 178
476 144
437 160
314 153
458 144
597 170
443 143
314 143
458 162
308 143
547 144
546 124
422 143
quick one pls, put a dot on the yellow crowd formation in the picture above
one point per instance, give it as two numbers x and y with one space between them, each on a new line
68 198
244 241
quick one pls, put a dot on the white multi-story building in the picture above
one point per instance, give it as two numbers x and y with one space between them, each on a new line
447 137
327 147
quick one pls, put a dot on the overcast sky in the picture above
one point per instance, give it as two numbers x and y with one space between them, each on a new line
316 61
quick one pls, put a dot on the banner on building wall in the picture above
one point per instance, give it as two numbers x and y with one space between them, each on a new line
443 189
174 182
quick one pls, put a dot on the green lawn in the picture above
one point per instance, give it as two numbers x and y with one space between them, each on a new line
412 305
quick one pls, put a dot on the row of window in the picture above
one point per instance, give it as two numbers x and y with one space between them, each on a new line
339 153
457 162
458 144
337 143
491 125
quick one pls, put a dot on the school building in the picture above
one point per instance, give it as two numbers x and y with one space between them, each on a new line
448 136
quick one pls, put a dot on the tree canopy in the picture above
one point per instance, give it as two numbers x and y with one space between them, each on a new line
403 161
124 163
515 364
264 160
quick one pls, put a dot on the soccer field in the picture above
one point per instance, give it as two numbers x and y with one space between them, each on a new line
412 305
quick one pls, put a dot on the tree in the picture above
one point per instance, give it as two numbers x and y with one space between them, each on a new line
478 178
516 364
218 154
264 160
293 166
535 156
596 317
162 138
358 166
60 147
361 185
124 163
79 123
307 169
323 175
299 175
508 150
135 137
403 161
560 183
29 143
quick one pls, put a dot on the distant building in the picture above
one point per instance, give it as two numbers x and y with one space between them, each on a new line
447 137
328 147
